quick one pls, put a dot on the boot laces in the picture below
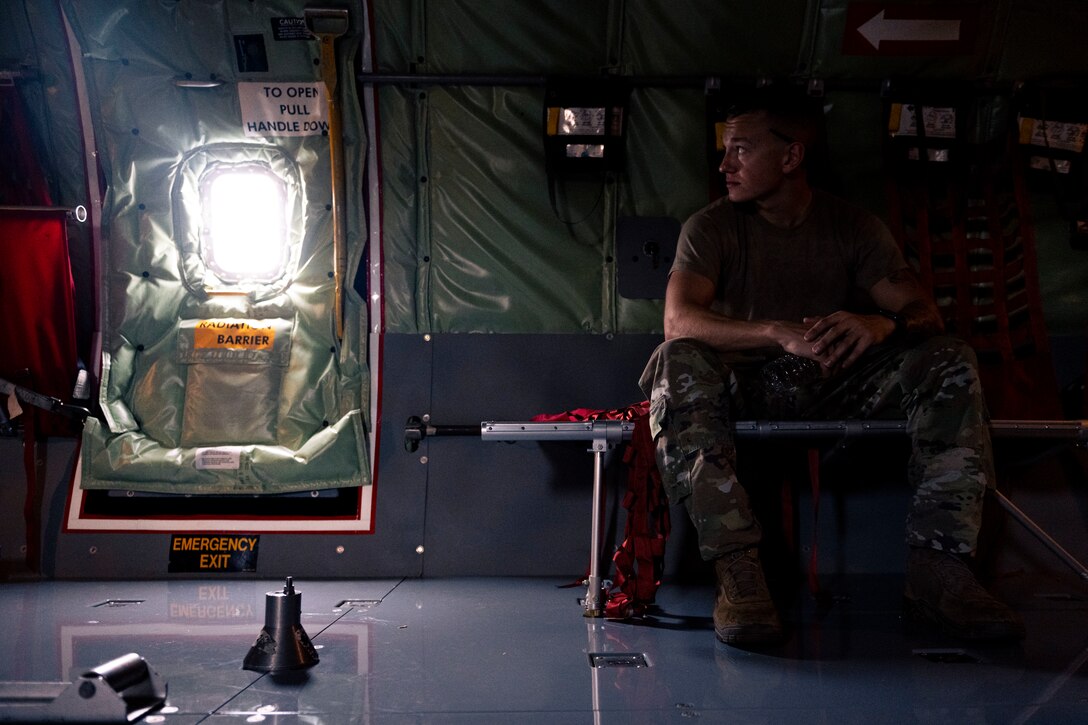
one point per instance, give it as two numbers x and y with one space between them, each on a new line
744 578
956 578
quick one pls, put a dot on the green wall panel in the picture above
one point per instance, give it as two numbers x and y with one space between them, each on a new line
729 37
477 246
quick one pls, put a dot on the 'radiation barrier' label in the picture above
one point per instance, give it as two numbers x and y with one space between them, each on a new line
233 335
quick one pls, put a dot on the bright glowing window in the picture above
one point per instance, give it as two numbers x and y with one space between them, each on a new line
244 223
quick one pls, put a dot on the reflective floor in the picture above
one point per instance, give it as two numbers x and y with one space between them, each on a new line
519 650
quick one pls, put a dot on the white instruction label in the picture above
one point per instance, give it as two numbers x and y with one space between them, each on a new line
939 122
1042 163
283 109
582 122
218 459
1053 134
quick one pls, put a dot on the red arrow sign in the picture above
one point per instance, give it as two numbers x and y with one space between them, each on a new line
880 28
892 30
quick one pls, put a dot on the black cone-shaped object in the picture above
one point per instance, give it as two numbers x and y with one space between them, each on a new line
282 644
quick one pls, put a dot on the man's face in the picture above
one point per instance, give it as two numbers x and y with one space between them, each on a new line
754 158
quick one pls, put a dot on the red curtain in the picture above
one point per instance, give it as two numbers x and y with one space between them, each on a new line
37 312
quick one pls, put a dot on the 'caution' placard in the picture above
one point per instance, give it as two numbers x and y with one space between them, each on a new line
208 553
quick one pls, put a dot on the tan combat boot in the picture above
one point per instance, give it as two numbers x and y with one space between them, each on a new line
942 590
744 613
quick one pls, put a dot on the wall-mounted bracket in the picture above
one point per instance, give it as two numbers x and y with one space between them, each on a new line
122 690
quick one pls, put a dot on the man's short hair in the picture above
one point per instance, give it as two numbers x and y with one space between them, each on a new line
792 114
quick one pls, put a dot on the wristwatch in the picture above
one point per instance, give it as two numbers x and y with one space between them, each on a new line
900 322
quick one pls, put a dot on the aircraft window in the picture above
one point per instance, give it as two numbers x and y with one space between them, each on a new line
238 219
243 223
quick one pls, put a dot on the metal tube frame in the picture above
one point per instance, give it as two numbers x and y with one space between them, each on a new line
605 433
602 434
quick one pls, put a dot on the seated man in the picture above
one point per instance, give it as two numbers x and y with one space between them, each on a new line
762 320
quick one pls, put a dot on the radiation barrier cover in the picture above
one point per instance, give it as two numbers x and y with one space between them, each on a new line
221 369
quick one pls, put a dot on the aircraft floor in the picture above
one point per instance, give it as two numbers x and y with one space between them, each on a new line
518 650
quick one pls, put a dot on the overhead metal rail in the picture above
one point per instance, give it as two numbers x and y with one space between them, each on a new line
709 82
603 434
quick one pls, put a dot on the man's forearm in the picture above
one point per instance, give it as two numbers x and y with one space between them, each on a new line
920 319
721 332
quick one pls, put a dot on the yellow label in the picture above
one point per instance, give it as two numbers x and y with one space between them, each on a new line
894 118
553 120
233 335
1027 130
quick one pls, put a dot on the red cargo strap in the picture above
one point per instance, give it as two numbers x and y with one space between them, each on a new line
640 560
789 521
814 481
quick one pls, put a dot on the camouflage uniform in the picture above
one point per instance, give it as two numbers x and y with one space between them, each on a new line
695 396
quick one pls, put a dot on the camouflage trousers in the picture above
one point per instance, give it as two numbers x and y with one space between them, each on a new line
695 397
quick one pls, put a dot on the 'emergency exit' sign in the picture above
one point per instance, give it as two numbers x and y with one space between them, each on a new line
211 553
887 29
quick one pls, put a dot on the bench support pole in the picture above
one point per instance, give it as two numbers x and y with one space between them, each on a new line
1046 539
594 606
602 434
